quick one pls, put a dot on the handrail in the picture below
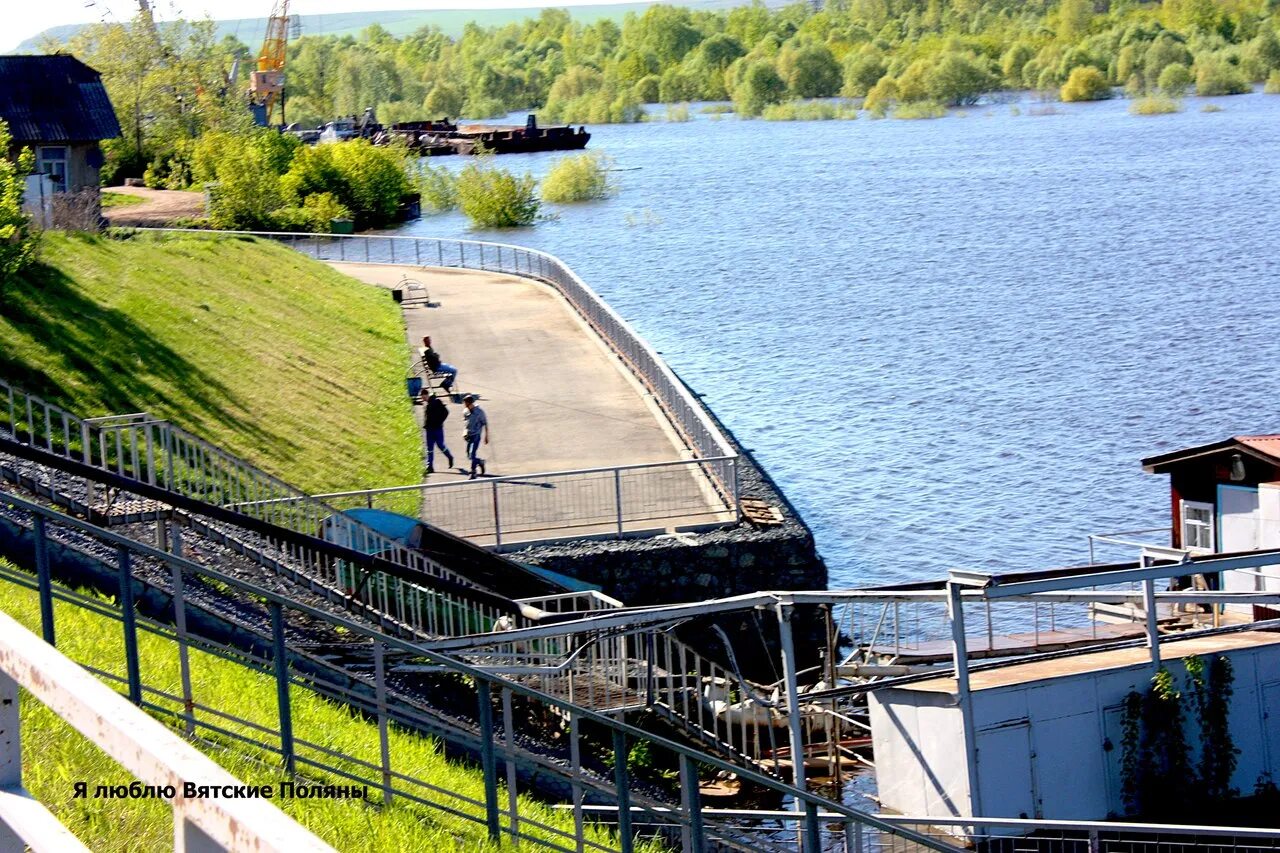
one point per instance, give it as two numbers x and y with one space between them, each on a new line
807 801
143 746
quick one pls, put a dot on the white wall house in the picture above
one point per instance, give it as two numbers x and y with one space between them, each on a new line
1048 734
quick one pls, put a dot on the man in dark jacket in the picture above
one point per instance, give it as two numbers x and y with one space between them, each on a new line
434 364
433 417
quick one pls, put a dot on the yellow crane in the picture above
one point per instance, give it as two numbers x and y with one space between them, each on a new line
266 83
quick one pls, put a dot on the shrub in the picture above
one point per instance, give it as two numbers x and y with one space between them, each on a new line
920 110
1219 77
647 88
1174 80
677 112
438 187
958 80
811 71
1086 83
1211 108
1154 105
1273 84
582 177
17 242
367 180
495 198
882 97
808 111
862 70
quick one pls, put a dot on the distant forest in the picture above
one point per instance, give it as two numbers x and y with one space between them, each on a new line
169 84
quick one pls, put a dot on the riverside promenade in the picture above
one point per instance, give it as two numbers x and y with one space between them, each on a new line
558 400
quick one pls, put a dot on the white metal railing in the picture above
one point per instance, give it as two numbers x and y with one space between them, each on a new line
691 420
537 507
144 449
159 759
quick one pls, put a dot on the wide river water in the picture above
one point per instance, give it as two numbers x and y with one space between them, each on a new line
949 341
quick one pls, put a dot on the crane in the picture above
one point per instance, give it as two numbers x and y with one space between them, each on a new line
266 84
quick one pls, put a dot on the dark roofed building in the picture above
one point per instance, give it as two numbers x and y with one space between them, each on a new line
57 107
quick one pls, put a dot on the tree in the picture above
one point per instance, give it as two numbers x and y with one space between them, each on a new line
17 243
1015 58
442 101
761 85
1086 83
811 72
959 80
1216 76
1174 80
862 70
1074 17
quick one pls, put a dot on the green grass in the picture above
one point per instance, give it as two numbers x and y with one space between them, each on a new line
276 357
110 199
1154 105
55 755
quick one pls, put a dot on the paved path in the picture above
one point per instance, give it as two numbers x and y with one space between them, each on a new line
159 207
557 399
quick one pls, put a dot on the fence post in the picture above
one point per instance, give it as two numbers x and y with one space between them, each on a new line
488 761
622 781
509 739
380 699
130 626
45 581
497 519
575 768
86 448
1095 846
180 625
617 496
282 686
812 833
649 686
692 804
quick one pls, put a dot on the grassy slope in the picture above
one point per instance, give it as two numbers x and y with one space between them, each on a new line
250 345
55 755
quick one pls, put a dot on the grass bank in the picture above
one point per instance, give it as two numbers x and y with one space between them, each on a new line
55 755
251 345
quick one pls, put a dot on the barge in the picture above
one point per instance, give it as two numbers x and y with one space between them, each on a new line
439 138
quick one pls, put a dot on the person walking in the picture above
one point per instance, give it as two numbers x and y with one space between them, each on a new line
477 427
435 364
434 414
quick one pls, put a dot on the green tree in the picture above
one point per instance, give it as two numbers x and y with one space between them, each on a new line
1074 17
862 70
1174 80
443 101
17 242
1217 76
761 85
1014 60
959 80
811 72
495 198
1086 83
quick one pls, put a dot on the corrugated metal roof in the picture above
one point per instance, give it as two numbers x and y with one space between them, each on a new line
54 99
1266 446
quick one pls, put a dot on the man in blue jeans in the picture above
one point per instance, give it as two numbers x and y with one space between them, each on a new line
434 415
431 359
477 427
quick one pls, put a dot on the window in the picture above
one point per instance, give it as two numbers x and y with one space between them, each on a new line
1197 525
51 160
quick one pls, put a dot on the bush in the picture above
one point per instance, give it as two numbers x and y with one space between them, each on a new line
1219 77
882 97
1174 80
1155 105
647 88
811 72
677 112
582 177
367 180
1273 84
920 110
959 80
438 187
808 111
1086 83
495 198
17 242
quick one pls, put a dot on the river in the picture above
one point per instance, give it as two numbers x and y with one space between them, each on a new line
949 341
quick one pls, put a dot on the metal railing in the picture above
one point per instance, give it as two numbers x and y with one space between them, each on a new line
528 508
501 707
159 456
157 758
713 450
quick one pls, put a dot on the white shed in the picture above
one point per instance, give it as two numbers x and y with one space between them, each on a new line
1048 738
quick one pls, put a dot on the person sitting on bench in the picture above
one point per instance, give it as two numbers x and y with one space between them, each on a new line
431 359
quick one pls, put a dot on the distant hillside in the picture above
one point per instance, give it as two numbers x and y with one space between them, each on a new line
398 22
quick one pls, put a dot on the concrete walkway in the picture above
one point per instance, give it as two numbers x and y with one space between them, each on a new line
557 399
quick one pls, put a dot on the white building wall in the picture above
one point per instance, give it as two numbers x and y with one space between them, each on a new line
1052 748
